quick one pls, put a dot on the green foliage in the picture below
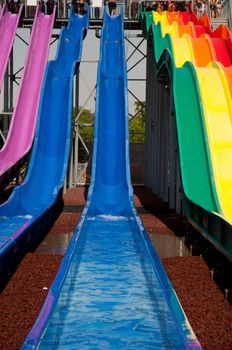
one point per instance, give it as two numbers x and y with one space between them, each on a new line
137 124
85 124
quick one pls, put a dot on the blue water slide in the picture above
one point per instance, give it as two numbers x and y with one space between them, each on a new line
29 208
111 291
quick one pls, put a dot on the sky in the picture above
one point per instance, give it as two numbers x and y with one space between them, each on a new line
88 70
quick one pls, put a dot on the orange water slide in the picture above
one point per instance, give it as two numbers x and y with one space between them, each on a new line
203 50
228 74
221 41
174 17
201 25
186 29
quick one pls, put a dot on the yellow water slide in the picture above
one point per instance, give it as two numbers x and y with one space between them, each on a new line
217 106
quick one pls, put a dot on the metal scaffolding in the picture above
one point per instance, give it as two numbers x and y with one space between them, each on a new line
162 172
76 169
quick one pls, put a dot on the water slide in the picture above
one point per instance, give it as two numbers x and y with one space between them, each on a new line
8 26
111 291
30 208
200 71
23 122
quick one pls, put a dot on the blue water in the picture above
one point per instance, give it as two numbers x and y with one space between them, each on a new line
9 225
111 297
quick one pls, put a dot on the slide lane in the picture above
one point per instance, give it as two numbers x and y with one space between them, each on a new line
216 97
8 26
111 290
217 106
220 40
22 127
210 91
25 214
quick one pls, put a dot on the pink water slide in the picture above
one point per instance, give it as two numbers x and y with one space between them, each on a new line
22 128
8 26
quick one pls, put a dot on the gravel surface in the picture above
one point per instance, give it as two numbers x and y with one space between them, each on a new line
22 299
208 312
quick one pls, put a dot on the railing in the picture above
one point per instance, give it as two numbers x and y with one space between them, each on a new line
131 8
96 12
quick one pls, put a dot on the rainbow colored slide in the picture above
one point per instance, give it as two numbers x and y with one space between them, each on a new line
22 128
198 61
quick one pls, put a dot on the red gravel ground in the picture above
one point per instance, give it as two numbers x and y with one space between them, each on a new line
65 223
24 296
208 312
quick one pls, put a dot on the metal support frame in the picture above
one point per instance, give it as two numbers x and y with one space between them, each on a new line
136 49
162 172
75 170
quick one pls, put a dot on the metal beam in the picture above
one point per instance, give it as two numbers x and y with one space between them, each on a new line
24 41
135 97
136 48
136 64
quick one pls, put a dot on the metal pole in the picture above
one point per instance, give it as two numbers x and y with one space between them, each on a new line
65 13
76 164
11 101
6 99
77 89
154 106
76 149
147 153
70 177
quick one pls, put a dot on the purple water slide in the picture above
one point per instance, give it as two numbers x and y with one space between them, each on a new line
22 128
8 26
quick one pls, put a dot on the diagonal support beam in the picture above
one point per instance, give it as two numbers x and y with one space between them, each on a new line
136 64
24 41
136 48
136 114
135 97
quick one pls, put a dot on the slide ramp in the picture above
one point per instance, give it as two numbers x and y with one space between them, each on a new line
202 104
23 122
8 26
22 216
111 290
217 106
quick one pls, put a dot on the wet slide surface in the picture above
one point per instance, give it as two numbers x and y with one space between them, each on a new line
22 127
23 211
111 298
8 26
111 291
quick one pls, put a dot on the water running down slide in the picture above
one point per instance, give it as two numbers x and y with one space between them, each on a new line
8 26
29 209
111 291
23 122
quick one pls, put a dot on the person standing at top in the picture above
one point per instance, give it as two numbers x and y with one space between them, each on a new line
112 7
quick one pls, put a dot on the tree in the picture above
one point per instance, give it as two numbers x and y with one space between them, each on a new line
137 123
85 124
